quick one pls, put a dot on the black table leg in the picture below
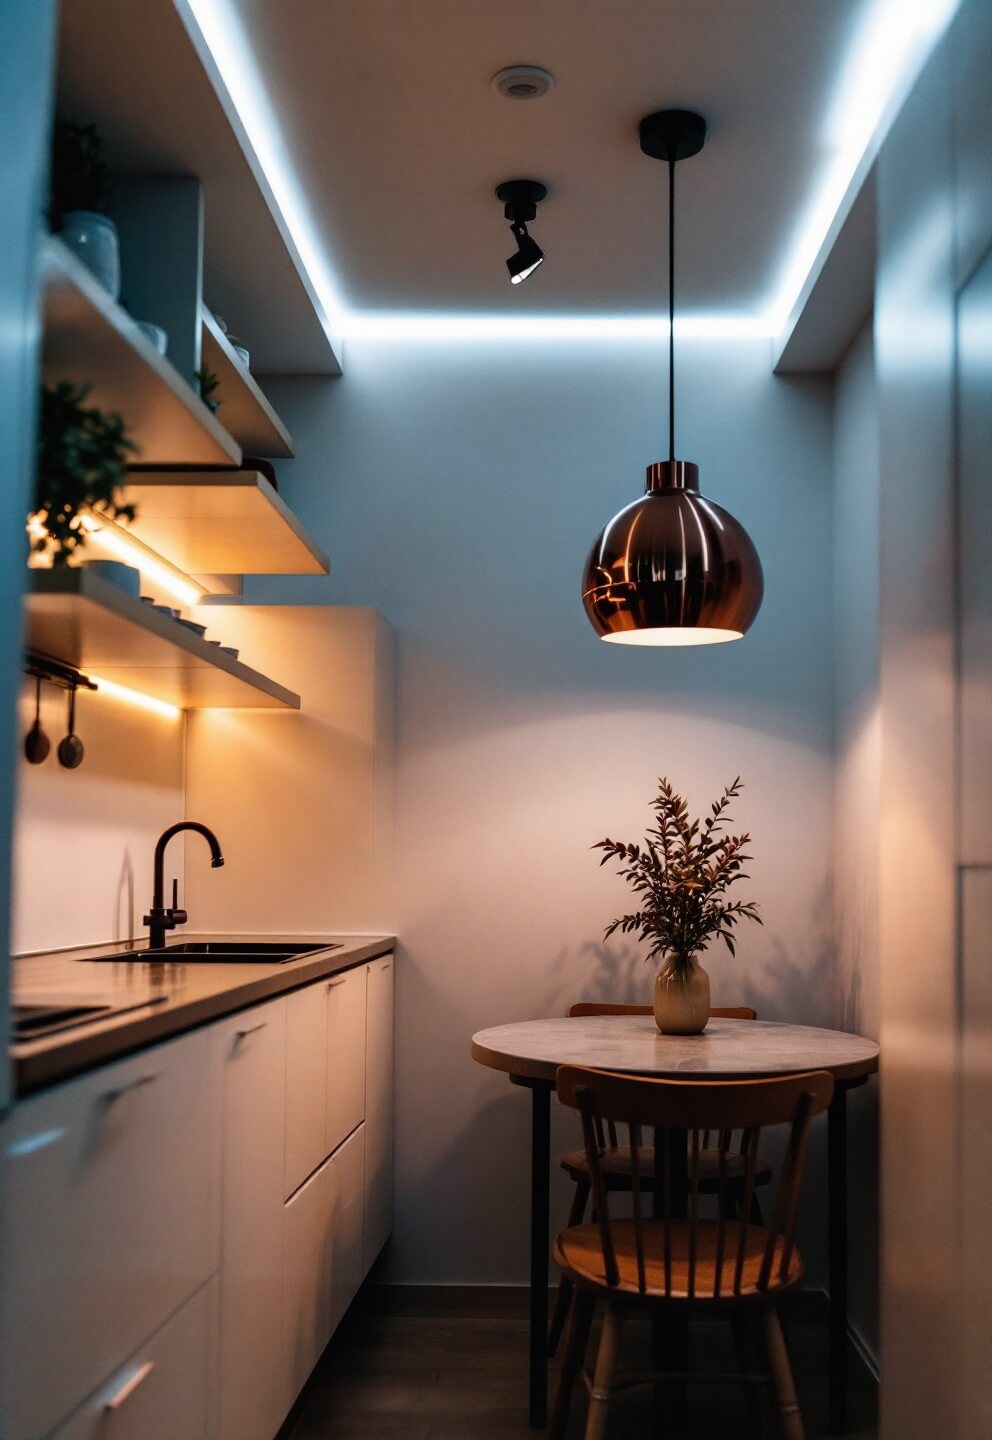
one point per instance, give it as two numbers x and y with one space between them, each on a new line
837 1255
540 1224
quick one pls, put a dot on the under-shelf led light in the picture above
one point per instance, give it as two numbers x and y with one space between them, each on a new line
135 697
157 571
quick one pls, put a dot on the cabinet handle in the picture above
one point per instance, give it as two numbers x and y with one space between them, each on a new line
331 983
131 1384
109 1096
251 1030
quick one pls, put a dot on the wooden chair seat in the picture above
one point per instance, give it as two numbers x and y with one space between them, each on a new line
615 1164
579 1253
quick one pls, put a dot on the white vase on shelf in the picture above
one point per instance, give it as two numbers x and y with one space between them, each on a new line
93 238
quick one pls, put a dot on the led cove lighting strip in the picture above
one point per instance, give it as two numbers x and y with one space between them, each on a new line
443 325
135 697
892 42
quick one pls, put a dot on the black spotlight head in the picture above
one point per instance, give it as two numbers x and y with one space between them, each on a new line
520 201
529 255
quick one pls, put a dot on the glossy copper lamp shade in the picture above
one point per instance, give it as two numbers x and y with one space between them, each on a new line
673 568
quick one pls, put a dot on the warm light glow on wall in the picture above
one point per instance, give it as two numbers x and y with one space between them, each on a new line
159 572
135 697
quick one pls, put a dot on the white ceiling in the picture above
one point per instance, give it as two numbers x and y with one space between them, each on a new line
398 141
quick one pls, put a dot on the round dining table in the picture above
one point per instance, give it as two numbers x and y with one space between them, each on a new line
530 1052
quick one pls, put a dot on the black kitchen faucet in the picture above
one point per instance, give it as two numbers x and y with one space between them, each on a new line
162 917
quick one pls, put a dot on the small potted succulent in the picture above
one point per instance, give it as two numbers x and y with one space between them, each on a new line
207 384
81 465
80 188
681 875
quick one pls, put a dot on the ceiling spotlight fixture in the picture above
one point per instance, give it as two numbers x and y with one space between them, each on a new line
523 82
520 201
672 568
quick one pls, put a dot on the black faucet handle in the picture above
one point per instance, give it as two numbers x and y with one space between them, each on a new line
177 915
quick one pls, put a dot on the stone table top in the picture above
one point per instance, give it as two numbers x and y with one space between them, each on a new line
726 1050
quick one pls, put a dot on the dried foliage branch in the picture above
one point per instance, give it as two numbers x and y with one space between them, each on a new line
681 875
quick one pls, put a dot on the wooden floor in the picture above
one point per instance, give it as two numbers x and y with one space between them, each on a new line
425 1365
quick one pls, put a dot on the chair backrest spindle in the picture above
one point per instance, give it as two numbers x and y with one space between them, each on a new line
683 1113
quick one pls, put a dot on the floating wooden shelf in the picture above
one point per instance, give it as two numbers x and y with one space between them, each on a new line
88 338
245 411
227 522
154 91
78 618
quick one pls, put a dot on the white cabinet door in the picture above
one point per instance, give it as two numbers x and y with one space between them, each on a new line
306 1083
379 1108
345 1056
111 1221
162 1392
346 1225
323 1268
254 1382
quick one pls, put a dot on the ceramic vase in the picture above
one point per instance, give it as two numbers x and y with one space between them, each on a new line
682 999
93 238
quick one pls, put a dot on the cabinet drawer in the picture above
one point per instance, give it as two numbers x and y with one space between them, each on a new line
345 1056
324 1240
111 1221
306 1083
162 1392
254 1384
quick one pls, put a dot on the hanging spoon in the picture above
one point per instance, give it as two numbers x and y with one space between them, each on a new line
71 747
36 742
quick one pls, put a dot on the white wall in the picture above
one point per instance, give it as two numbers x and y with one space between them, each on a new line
932 363
458 489
84 838
857 791
301 800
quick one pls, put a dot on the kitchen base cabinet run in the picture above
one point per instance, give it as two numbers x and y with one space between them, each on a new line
157 1282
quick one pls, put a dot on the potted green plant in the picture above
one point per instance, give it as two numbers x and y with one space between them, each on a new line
207 385
80 188
81 464
681 875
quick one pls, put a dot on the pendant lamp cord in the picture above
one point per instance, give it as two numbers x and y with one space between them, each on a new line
671 309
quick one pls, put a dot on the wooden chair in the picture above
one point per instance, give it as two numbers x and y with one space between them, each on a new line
615 1158
676 1260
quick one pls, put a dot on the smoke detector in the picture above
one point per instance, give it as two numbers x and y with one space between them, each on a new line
523 82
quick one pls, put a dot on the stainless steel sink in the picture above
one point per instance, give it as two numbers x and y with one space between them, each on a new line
218 952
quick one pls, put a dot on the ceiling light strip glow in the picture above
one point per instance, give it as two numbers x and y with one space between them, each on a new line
890 46
445 326
135 697
893 42
222 30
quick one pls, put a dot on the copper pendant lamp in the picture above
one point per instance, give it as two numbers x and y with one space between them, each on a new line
673 568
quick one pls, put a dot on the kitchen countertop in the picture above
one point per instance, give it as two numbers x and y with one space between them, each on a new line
194 994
